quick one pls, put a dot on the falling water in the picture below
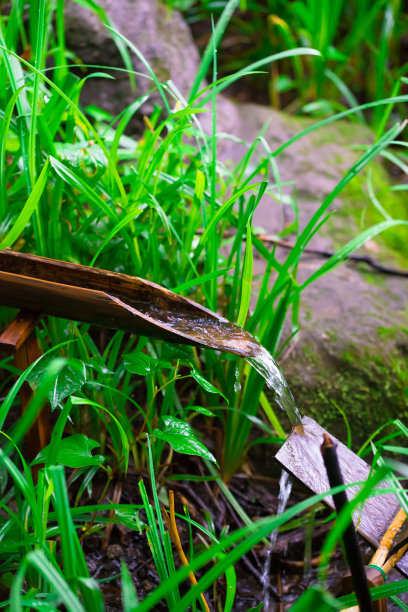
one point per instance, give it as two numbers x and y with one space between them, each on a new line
285 488
225 336
266 366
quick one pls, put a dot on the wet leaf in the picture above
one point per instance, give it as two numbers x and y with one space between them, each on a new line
142 364
137 363
74 452
67 381
207 386
201 410
130 518
181 438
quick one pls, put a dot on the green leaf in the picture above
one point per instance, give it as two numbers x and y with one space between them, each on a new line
199 185
181 438
142 364
246 277
317 600
74 452
137 363
201 410
207 386
87 158
130 518
174 352
68 380
28 209
129 596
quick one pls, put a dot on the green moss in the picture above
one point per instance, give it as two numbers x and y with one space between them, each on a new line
369 388
358 213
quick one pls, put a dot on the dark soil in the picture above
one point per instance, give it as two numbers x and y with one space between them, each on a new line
258 496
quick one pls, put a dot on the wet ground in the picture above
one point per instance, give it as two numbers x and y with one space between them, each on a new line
291 575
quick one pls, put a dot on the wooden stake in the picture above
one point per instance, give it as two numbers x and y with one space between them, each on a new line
353 554
19 339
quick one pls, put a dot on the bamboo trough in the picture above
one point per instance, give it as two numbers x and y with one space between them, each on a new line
110 299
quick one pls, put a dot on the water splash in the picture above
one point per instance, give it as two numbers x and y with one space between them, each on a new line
285 488
266 366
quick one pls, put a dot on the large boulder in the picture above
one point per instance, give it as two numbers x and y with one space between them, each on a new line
350 353
160 35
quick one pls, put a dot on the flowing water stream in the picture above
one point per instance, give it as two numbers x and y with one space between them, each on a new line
266 366
225 336
285 488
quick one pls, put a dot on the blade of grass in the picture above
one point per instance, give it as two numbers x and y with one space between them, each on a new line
29 207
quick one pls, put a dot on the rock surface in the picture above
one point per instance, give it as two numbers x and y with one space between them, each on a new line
160 35
353 342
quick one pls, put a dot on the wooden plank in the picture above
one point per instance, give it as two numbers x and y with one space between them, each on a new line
21 327
301 456
38 436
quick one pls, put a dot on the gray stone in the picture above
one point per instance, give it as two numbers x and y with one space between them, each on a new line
161 36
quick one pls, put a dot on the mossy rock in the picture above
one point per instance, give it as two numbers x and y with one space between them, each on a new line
361 389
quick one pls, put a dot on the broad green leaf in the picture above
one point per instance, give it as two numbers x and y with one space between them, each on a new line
69 380
138 363
207 386
87 158
199 185
74 452
181 438
142 364
174 352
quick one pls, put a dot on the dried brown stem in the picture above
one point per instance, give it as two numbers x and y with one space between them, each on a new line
386 541
172 527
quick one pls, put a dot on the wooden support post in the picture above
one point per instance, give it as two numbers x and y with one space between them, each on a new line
19 339
374 578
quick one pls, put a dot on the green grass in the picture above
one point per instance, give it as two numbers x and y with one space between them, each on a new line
76 187
359 42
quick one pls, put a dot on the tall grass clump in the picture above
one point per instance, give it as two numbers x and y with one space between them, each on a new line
77 186
361 46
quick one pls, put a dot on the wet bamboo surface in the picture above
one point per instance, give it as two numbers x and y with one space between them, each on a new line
100 297
301 456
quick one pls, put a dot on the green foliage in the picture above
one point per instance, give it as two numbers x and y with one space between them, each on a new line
181 438
75 186
359 45
73 451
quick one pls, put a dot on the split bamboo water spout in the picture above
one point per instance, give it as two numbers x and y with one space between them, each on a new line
119 301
